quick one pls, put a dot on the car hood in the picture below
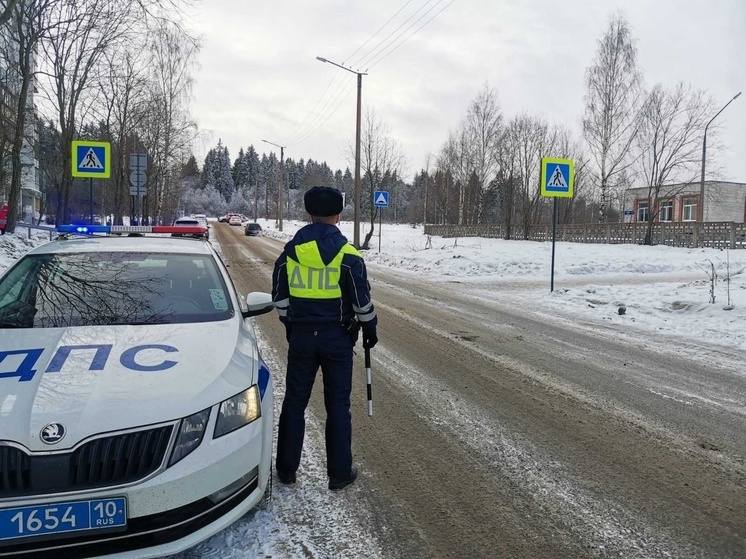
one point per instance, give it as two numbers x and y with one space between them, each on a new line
98 379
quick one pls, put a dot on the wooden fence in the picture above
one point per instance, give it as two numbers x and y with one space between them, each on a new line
718 234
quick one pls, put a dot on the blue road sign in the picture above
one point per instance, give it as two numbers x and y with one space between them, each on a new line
91 159
557 177
381 198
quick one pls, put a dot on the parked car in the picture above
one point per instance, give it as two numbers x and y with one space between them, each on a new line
252 229
142 413
3 218
235 220
225 218
191 222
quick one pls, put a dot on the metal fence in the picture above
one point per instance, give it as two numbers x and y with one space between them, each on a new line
27 228
718 234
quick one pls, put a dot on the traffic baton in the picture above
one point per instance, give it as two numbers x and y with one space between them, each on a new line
368 378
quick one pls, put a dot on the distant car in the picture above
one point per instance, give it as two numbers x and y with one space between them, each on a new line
202 218
142 412
235 220
3 218
225 218
252 229
191 222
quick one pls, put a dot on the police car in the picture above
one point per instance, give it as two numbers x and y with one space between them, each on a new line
135 409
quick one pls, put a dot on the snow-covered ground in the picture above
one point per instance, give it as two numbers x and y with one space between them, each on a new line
663 290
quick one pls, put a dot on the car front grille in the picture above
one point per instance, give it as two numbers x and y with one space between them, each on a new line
101 462
15 470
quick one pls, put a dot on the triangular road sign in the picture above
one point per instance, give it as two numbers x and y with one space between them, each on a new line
90 161
558 179
381 199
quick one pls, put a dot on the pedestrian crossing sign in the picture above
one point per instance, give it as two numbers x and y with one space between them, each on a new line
91 159
557 177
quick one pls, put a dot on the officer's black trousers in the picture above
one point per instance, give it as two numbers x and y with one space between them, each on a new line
311 347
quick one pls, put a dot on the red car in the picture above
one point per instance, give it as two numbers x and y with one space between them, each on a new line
3 218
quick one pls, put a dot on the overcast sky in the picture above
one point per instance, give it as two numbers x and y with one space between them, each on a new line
259 77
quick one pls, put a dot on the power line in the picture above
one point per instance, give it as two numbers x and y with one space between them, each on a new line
311 123
380 58
302 129
361 60
300 126
377 32
323 118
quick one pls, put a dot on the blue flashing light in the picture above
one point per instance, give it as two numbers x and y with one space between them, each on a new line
83 229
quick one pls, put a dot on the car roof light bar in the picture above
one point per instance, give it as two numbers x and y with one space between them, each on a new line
167 229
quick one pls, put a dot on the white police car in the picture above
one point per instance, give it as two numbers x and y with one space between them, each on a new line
135 410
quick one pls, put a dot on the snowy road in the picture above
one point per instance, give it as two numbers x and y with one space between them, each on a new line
503 432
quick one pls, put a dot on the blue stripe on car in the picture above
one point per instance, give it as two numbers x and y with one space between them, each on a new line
263 378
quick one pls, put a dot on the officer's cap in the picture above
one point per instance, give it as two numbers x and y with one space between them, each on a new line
323 201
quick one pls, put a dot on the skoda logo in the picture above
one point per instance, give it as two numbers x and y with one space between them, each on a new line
53 433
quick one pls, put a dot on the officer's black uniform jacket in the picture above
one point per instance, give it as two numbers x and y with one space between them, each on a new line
321 278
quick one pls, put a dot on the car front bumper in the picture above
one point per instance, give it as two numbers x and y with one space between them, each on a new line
177 507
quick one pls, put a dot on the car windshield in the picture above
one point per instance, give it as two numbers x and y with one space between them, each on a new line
98 289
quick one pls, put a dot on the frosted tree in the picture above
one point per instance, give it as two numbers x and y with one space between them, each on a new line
217 171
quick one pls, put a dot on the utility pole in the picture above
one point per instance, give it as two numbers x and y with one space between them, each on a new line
358 188
282 175
256 198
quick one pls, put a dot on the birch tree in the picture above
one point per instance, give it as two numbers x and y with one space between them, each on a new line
611 118
483 127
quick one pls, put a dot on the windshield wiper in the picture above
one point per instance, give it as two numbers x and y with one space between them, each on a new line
13 325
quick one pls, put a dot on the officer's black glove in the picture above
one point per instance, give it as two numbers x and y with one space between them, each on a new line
370 339
288 331
353 330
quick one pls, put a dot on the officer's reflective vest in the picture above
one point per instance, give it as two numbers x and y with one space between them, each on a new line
310 278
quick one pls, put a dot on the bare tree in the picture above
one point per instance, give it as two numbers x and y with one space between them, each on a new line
381 162
6 10
124 103
483 127
566 146
27 29
508 179
531 139
74 59
169 130
670 141
610 122
73 55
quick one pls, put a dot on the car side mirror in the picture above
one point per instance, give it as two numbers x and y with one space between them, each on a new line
258 303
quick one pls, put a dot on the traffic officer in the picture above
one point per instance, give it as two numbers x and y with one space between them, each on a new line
321 291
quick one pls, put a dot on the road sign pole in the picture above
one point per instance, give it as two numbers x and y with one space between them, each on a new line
380 226
90 196
554 241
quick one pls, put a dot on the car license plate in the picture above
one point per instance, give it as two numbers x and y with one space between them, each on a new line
60 518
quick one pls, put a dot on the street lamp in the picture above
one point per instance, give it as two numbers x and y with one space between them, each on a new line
356 237
701 216
282 174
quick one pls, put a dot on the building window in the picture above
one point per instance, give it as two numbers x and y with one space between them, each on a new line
666 211
689 209
642 211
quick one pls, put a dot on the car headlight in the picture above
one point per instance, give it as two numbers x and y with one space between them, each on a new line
191 431
238 411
